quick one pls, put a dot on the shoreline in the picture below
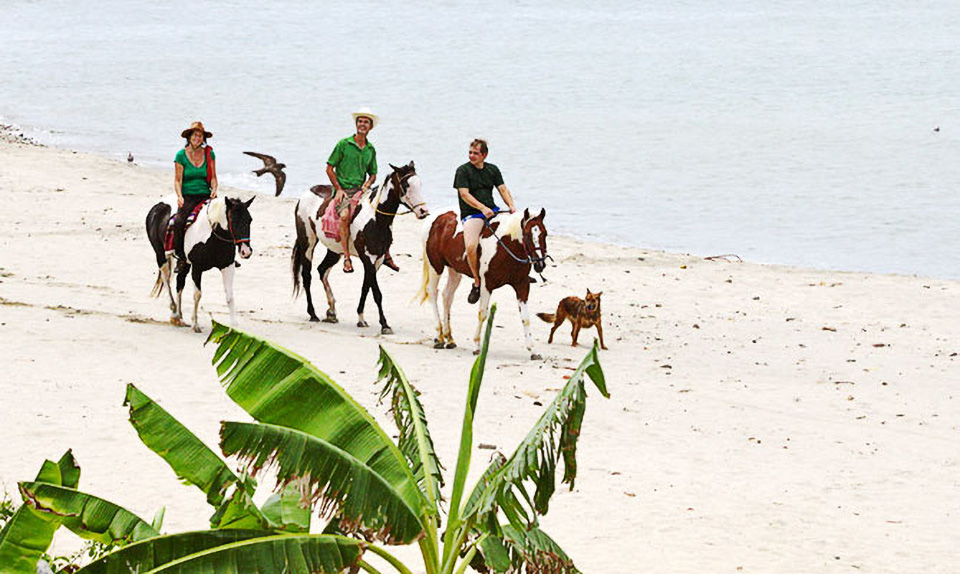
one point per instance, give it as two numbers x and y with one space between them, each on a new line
763 418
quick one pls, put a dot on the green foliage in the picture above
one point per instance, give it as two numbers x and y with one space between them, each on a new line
330 456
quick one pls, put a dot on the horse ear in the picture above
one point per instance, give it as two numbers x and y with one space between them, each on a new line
543 213
247 203
393 167
526 213
410 165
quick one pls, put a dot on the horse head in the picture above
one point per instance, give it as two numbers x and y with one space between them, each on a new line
238 224
535 239
407 186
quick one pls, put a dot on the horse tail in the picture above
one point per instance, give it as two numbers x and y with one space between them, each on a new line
158 285
299 250
548 317
421 296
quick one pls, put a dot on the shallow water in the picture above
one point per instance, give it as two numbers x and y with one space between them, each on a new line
789 132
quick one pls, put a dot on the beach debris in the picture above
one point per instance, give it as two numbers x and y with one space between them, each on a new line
728 257
270 165
831 329
485 446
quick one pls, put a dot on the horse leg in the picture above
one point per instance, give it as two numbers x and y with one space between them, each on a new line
368 275
306 277
377 297
181 283
329 260
522 295
481 314
453 280
196 274
433 279
165 271
227 273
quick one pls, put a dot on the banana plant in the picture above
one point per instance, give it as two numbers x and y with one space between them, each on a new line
331 457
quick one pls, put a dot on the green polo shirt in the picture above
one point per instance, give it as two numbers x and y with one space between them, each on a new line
353 164
480 182
194 178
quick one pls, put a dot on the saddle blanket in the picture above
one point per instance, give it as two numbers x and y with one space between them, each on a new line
168 238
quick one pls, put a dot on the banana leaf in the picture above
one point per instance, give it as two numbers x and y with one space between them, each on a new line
344 485
289 554
415 442
530 549
279 387
86 515
192 461
287 510
28 533
155 552
553 436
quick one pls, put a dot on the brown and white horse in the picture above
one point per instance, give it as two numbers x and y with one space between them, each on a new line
509 247
370 238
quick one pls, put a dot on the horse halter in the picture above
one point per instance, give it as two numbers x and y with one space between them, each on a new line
530 252
400 186
233 236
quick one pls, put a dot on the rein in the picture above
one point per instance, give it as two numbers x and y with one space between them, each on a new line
398 185
528 259
233 237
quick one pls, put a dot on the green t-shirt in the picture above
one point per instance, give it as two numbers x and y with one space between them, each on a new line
194 178
480 182
353 164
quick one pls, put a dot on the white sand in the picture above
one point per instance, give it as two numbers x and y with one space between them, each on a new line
762 419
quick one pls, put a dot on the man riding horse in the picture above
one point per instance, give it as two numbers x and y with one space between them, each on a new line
352 169
475 181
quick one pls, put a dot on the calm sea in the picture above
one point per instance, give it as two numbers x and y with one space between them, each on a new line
795 132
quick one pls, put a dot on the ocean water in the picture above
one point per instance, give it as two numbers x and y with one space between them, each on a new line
808 133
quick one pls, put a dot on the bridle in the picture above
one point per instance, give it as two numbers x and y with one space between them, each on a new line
233 236
530 251
399 184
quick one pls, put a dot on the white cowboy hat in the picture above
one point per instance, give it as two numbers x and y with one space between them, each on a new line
366 113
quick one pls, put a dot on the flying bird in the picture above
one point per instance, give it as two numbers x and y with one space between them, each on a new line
270 165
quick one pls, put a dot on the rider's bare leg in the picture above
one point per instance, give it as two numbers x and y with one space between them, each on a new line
345 239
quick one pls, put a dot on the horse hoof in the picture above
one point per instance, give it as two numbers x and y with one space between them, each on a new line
477 352
197 329
362 324
386 331
451 345
535 357
331 320
177 322
314 319
439 345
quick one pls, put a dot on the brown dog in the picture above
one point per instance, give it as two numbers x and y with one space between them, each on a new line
581 312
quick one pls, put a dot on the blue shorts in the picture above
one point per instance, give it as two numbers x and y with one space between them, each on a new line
495 209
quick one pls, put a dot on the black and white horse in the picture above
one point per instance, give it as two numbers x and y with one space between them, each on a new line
211 242
370 238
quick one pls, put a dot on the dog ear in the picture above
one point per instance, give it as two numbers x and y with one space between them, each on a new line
588 291
599 294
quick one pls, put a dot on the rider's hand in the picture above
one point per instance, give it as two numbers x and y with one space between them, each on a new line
339 195
213 194
513 209
487 212
179 201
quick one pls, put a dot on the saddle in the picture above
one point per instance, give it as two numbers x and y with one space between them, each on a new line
191 217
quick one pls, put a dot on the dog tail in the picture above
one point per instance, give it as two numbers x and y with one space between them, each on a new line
548 317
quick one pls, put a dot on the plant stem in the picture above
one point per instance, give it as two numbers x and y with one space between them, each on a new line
367 567
389 558
470 554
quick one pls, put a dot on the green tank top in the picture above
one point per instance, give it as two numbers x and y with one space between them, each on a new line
194 178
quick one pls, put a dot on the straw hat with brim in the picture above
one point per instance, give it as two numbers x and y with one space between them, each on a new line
196 126
366 113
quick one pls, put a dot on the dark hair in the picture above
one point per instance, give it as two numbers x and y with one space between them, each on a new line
482 144
190 135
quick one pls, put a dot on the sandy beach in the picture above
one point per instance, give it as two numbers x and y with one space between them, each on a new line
762 418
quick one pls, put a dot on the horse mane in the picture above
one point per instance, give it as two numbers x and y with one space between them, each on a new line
512 226
217 212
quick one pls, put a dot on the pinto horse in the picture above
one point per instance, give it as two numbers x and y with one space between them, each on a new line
221 226
509 246
370 238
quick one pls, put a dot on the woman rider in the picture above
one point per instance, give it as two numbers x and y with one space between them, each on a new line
194 182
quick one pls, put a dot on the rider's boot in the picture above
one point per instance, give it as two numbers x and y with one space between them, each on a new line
389 262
